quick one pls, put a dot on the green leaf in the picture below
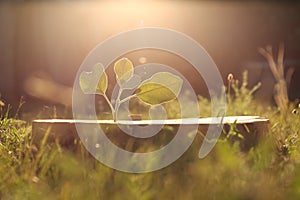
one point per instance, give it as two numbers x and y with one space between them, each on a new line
94 82
124 70
160 88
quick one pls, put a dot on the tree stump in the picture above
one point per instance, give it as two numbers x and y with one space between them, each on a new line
247 129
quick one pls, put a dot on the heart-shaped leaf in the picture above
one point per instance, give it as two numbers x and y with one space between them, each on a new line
124 70
160 88
94 82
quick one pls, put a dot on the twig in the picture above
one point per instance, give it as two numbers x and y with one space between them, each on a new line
277 69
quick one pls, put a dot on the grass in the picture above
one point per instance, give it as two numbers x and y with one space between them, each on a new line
269 170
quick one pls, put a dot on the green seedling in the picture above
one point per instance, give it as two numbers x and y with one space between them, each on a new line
162 87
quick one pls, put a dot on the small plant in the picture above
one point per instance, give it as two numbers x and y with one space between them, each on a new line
286 136
158 89
239 96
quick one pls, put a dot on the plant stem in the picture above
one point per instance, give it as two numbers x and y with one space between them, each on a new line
119 102
115 109
117 105
111 107
127 98
228 92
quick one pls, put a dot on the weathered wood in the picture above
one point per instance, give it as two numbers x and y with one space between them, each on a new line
64 130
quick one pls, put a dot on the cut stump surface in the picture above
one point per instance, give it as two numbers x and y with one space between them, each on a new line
64 130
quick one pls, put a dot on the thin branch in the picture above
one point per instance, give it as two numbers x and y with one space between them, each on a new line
280 60
127 98
110 105
277 69
289 75
271 62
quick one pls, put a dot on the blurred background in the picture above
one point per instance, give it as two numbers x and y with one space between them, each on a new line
43 43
